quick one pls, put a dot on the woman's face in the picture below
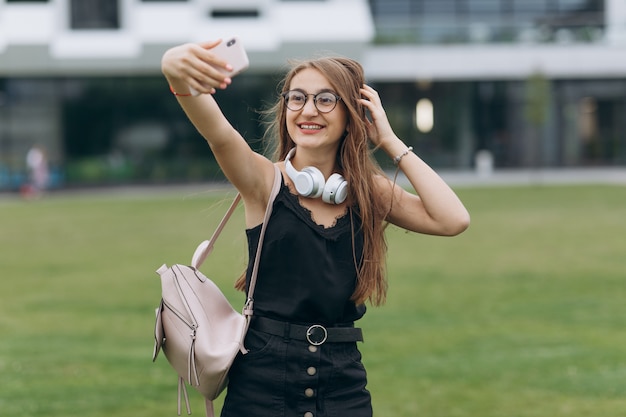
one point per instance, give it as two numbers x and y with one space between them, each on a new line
308 127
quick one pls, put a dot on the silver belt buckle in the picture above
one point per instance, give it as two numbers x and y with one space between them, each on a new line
316 334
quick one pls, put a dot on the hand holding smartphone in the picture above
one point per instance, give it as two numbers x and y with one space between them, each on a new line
232 51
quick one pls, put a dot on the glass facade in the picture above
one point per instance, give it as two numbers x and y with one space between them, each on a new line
532 122
524 124
95 135
476 21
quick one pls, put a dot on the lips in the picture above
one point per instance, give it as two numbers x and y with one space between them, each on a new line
310 126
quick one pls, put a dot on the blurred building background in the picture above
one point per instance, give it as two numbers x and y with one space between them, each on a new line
518 83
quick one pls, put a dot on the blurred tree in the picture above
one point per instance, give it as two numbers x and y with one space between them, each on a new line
537 104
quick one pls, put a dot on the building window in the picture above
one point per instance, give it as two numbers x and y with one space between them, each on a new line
234 13
94 14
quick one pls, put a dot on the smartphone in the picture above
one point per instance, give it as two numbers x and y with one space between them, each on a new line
232 51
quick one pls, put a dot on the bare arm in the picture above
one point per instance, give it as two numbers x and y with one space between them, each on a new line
193 65
435 209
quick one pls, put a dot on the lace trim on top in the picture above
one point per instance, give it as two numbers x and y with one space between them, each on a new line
292 202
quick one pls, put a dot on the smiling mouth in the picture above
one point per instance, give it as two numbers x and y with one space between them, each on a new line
306 126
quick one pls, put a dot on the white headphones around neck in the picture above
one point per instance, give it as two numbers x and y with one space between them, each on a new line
310 183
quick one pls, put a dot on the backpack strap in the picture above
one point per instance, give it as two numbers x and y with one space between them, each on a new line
248 307
206 247
210 412
182 392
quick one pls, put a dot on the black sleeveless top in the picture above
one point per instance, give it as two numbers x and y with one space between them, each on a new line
307 272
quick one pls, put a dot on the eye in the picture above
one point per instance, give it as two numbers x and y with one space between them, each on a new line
326 99
295 97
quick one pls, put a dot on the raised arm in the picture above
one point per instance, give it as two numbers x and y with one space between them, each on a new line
435 209
195 66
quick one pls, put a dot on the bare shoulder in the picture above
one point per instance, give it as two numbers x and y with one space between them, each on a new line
257 191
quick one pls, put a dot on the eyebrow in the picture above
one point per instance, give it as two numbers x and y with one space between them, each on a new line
323 90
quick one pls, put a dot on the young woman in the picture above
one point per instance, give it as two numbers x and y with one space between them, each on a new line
324 251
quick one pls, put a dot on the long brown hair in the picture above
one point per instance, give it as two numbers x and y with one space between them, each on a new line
356 162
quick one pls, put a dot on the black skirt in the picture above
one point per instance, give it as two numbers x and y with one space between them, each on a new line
281 377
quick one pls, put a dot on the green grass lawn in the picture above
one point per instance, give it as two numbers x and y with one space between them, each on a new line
523 315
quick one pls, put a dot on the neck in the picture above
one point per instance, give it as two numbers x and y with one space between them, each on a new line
324 160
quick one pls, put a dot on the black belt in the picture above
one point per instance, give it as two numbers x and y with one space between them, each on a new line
315 334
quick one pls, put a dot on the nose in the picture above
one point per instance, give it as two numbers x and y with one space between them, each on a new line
309 106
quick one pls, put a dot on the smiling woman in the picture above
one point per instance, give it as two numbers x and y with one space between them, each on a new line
324 249
310 128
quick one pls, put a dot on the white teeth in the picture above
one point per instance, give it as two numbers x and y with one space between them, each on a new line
310 127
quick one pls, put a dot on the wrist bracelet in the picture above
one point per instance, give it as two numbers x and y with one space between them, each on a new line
398 158
179 94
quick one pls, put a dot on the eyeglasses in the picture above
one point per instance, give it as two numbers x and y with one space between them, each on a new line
324 102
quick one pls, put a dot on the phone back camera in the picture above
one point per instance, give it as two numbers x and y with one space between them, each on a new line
231 42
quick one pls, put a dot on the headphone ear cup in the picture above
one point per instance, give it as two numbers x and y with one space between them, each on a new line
317 182
310 182
336 190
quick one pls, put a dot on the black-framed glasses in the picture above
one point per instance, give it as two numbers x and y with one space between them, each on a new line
324 102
